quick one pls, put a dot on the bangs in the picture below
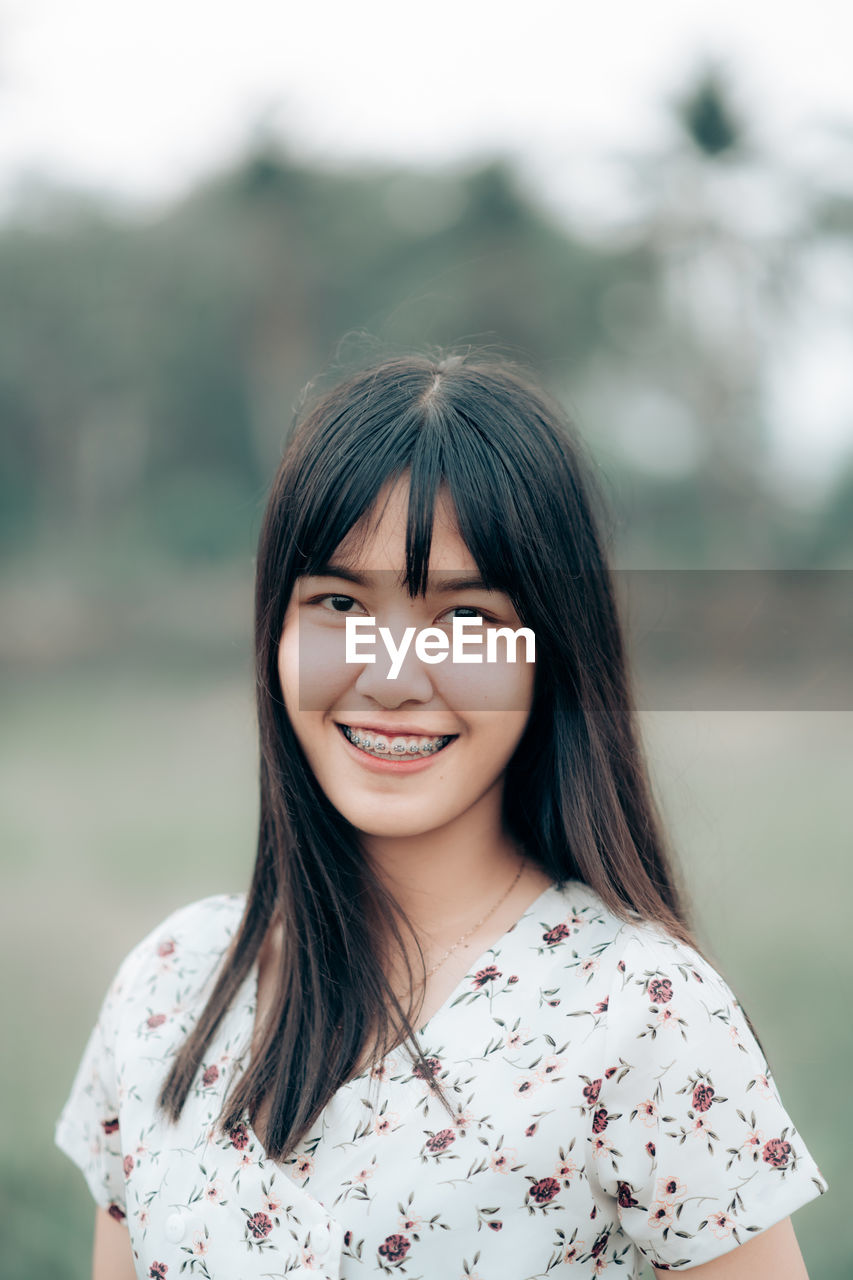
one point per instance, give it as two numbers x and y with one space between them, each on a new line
437 450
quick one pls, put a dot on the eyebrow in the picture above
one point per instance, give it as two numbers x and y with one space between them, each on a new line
443 585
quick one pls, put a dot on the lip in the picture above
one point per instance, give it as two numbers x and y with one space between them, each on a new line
377 765
396 730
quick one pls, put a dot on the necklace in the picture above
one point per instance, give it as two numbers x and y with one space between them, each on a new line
486 917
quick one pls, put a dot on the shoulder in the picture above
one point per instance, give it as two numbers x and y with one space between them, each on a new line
149 1007
175 961
686 1129
199 928
661 974
590 923
581 917
663 1002
631 962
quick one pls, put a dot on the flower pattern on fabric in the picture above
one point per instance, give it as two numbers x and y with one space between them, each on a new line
606 1102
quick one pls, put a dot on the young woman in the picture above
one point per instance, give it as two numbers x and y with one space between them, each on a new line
458 1027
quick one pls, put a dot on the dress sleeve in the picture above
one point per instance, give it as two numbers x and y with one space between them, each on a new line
89 1128
688 1133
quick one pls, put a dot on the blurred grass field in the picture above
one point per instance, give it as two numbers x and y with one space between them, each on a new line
127 792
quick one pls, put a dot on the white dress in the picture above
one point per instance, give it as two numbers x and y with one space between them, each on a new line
608 1102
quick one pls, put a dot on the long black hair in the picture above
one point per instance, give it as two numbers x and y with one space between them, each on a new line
576 795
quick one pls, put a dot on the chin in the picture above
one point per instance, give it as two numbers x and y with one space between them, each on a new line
389 826
395 816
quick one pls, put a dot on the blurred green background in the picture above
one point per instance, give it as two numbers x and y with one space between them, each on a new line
150 363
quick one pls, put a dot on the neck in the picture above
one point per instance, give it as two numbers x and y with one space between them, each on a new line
444 877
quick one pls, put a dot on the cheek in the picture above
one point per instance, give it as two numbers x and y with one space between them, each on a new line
312 667
491 743
288 669
486 686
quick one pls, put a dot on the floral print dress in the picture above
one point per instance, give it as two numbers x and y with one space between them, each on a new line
609 1104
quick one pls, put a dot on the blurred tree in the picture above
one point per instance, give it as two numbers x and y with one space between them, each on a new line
163 358
707 117
150 364
831 542
691 396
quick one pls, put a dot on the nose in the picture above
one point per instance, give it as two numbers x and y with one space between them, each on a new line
411 684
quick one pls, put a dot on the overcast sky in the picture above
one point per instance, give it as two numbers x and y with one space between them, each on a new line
140 99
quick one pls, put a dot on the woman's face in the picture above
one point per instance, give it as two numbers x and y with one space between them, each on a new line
448 728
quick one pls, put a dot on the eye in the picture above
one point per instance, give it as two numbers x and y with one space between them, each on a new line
468 611
337 604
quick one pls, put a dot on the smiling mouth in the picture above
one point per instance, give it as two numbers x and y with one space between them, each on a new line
387 747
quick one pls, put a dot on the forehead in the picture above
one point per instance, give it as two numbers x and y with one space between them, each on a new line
378 541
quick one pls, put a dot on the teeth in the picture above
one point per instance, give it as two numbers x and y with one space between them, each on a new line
381 745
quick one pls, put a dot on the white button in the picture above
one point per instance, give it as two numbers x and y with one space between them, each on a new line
323 1242
175 1228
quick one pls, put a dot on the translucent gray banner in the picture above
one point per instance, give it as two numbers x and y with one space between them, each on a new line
707 639
740 639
